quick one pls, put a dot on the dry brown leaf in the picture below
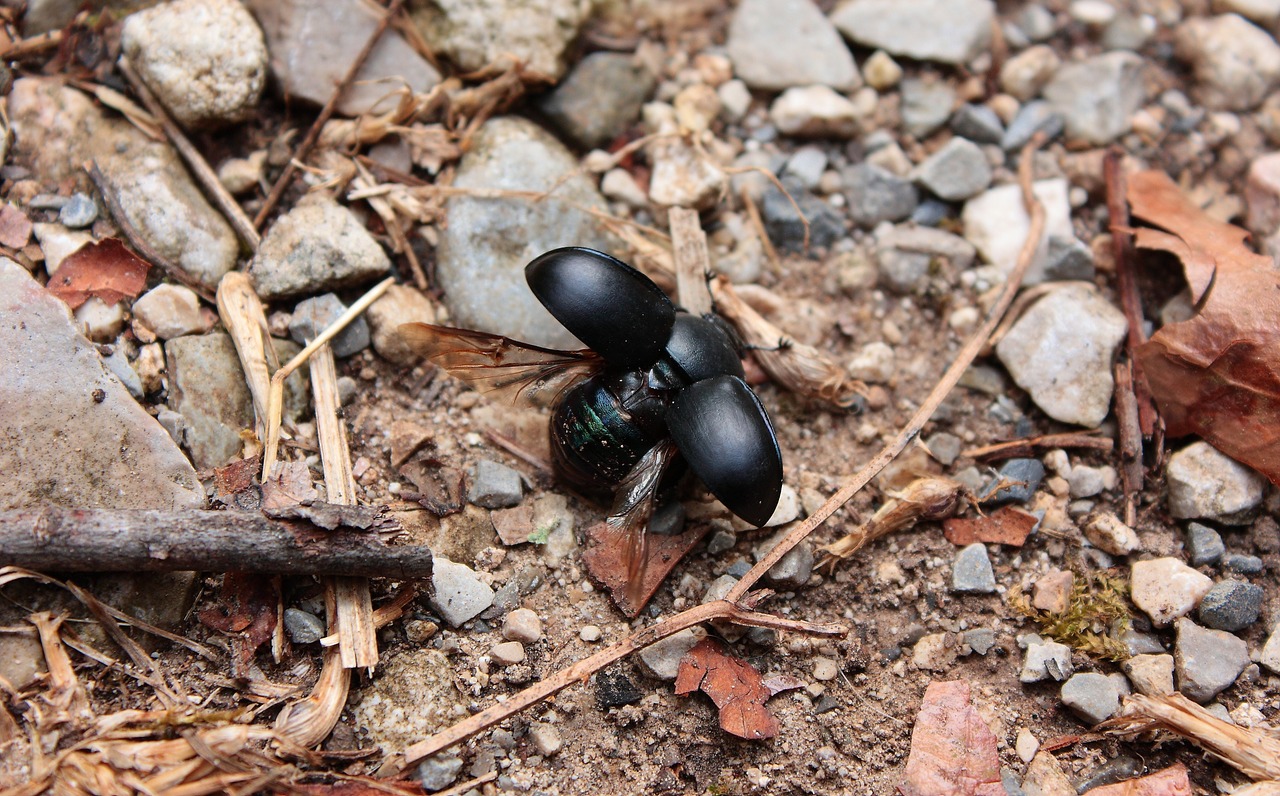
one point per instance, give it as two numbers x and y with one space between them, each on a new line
106 269
953 751
1217 374
1171 781
1007 525
246 613
733 685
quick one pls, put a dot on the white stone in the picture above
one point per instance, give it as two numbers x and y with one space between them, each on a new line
522 625
825 669
546 738
1150 674
1096 13
683 176
508 653
662 660
619 186
1024 74
170 311
735 100
814 111
788 508
57 243
99 321
950 31
1263 12
1166 588
779 44
590 633
1060 352
997 224
1026 745
881 71
1205 483
1236 62
874 363
1108 533
1270 656
1047 660
457 592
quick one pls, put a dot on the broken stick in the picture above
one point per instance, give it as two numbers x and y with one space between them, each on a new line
52 538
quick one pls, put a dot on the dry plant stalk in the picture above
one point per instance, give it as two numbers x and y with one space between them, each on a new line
1254 754
737 606
691 261
242 313
923 500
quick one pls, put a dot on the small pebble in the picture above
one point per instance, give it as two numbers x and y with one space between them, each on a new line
971 572
590 633
1203 544
79 212
1204 483
1231 605
495 486
458 594
303 628
1047 660
1092 697
1105 530
438 772
1026 745
825 669
1016 482
662 659
1052 591
980 640
1207 661
546 738
1166 588
721 541
508 653
1150 674
1242 564
522 625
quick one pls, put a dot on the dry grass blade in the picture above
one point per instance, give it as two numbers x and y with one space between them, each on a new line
242 313
1254 754
65 694
691 261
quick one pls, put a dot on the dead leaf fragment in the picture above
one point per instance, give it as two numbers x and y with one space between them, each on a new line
246 613
1171 781
733 685
953 751
15 227
106 269
1007 525
1218 374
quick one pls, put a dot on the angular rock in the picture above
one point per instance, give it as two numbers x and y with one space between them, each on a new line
1016 482
996 223
1092 697
399 305
814 112
978 123
875 195
318 246
971 572
950 31
303 627
956 171
475 34
881 71
457 593
600 98
661 661
1037 116
1098 96
1231 605
805 51
495 486
170 311
1208 661
484 249
926 105
683 177
1203 544
1060 352
205 60
63 445
1150 674
312 316
1052 592
1045 777
786 226
1270 656
1207 484
1046 661
1242 564
1068 258
1236 63
313 45
207 387
1166 588
522 625
1024 74
1107 532
438 771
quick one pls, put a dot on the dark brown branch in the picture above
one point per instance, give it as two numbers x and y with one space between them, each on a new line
1028 445
313 134
121 540
1127 284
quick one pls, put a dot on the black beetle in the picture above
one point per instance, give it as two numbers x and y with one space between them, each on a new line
655 386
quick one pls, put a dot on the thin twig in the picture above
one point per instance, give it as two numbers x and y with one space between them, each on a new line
1021 447
313 134
689 247
729 608
108 193
32 46
1127 283
200 169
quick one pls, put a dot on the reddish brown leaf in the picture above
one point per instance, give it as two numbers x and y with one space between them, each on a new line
105 269
1171 781
15 227
1217 374
606 563
246 613
1006 525
733 685
235 486
953 751
288 485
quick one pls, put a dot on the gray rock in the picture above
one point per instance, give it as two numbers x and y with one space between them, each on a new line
926 105
312 316
401 304
484 249
119 366
1068 259
1236 63
950 31
1092 697
1166 588
1203 544
793 570
721 541
600 98
1048 660
806 166
170 311
945 447
1242 564
495 486
1097 97
1016 482
1205 483
80 211
1270 655
1150 674
956 171
62 445
303 627
902 272
473 35
1037 116
980 640
457 593
58 128
207 387
1231 605
205 60
1207 661
662 660
971 572
996 223
786 226
804 51
1138 642
978 123
1036 22
875 195
413 697
313 45
438 771
317 246
1060 352
936 243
